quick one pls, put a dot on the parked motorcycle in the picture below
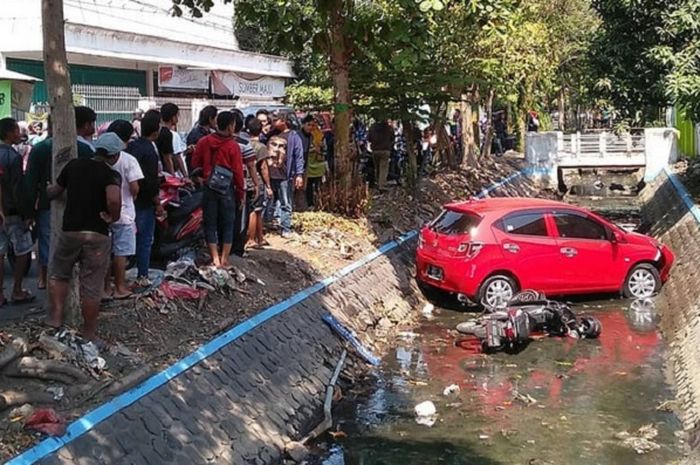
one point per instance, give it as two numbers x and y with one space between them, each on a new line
181 227
527 313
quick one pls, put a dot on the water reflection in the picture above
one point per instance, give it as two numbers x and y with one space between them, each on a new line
513 408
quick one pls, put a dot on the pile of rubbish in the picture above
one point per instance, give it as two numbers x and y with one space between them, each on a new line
184 280
528 313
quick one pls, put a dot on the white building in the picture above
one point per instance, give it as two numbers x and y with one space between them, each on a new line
122 51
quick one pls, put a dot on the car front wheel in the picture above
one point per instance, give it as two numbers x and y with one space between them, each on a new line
642 282
497 291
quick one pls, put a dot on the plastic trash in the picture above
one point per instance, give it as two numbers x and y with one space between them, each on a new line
46 421
173 290
450 390
426 413
56 392
428 309
425 409
180 267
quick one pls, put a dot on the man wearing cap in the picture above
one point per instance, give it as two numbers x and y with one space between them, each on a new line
93 202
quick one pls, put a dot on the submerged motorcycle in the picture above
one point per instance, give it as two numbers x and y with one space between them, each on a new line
527 313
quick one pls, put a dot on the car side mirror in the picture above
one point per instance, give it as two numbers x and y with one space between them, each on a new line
617 237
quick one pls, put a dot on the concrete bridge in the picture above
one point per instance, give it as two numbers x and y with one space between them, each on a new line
547 153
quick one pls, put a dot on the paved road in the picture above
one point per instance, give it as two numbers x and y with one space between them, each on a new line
9 313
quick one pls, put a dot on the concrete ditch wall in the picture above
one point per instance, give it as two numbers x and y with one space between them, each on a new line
679 302
245 402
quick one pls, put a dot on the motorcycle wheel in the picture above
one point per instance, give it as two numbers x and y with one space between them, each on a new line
589 327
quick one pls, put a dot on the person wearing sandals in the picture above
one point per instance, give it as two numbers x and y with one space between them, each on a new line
93 202
14 230
123 231
219 157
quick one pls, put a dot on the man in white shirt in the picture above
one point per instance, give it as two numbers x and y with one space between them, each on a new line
85 118
124 229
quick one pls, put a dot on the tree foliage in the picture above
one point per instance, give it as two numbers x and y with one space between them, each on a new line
679 53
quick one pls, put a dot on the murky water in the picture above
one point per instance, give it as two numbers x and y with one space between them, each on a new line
585 391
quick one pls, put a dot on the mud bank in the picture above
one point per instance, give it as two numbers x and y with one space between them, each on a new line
672 222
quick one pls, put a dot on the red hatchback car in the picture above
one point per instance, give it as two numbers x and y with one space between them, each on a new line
487 250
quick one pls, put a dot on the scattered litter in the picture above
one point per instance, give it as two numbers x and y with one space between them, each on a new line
407 335
178 268
428 309
56 391
426 413
425 409
641 441
484 437
349 336
174 290
46 421
78 348
450 390
21 412
526 399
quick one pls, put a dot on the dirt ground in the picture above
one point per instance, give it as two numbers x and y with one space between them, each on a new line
145 334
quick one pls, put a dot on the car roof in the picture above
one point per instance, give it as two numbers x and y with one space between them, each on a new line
505 204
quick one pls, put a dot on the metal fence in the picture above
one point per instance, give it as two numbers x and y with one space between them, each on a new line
109 102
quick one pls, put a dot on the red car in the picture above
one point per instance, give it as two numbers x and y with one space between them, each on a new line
487 250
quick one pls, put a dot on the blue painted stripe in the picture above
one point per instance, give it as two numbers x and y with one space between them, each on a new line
683 194
106 410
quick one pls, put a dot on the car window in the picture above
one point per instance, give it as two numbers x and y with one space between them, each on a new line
452 222
525 224
573 225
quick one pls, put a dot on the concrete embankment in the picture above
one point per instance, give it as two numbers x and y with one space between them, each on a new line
672 222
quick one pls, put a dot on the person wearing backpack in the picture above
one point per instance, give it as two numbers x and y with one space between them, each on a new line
219 157
14 230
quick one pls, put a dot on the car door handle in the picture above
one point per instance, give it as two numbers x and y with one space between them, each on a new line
568 251
512 248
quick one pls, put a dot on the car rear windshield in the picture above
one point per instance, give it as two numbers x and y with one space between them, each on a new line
452 222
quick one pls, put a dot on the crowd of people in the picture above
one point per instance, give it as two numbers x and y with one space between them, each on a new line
247 167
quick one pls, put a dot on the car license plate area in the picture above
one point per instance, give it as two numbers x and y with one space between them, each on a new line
435 272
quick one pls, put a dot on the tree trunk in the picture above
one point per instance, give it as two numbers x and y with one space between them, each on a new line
412 165
469 159
562 110
58 87
488 136
340 74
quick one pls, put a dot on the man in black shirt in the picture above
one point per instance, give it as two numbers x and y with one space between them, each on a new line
93 201
147 202
14 231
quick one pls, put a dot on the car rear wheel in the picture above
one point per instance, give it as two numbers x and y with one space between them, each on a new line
642 282
497 291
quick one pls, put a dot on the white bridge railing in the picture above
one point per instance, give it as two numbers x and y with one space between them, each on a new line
651 149
601 149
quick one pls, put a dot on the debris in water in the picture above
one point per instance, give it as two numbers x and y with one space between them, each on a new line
641 441
451 389
526 399
426 413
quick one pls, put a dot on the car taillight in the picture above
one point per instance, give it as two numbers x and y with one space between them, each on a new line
469 249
